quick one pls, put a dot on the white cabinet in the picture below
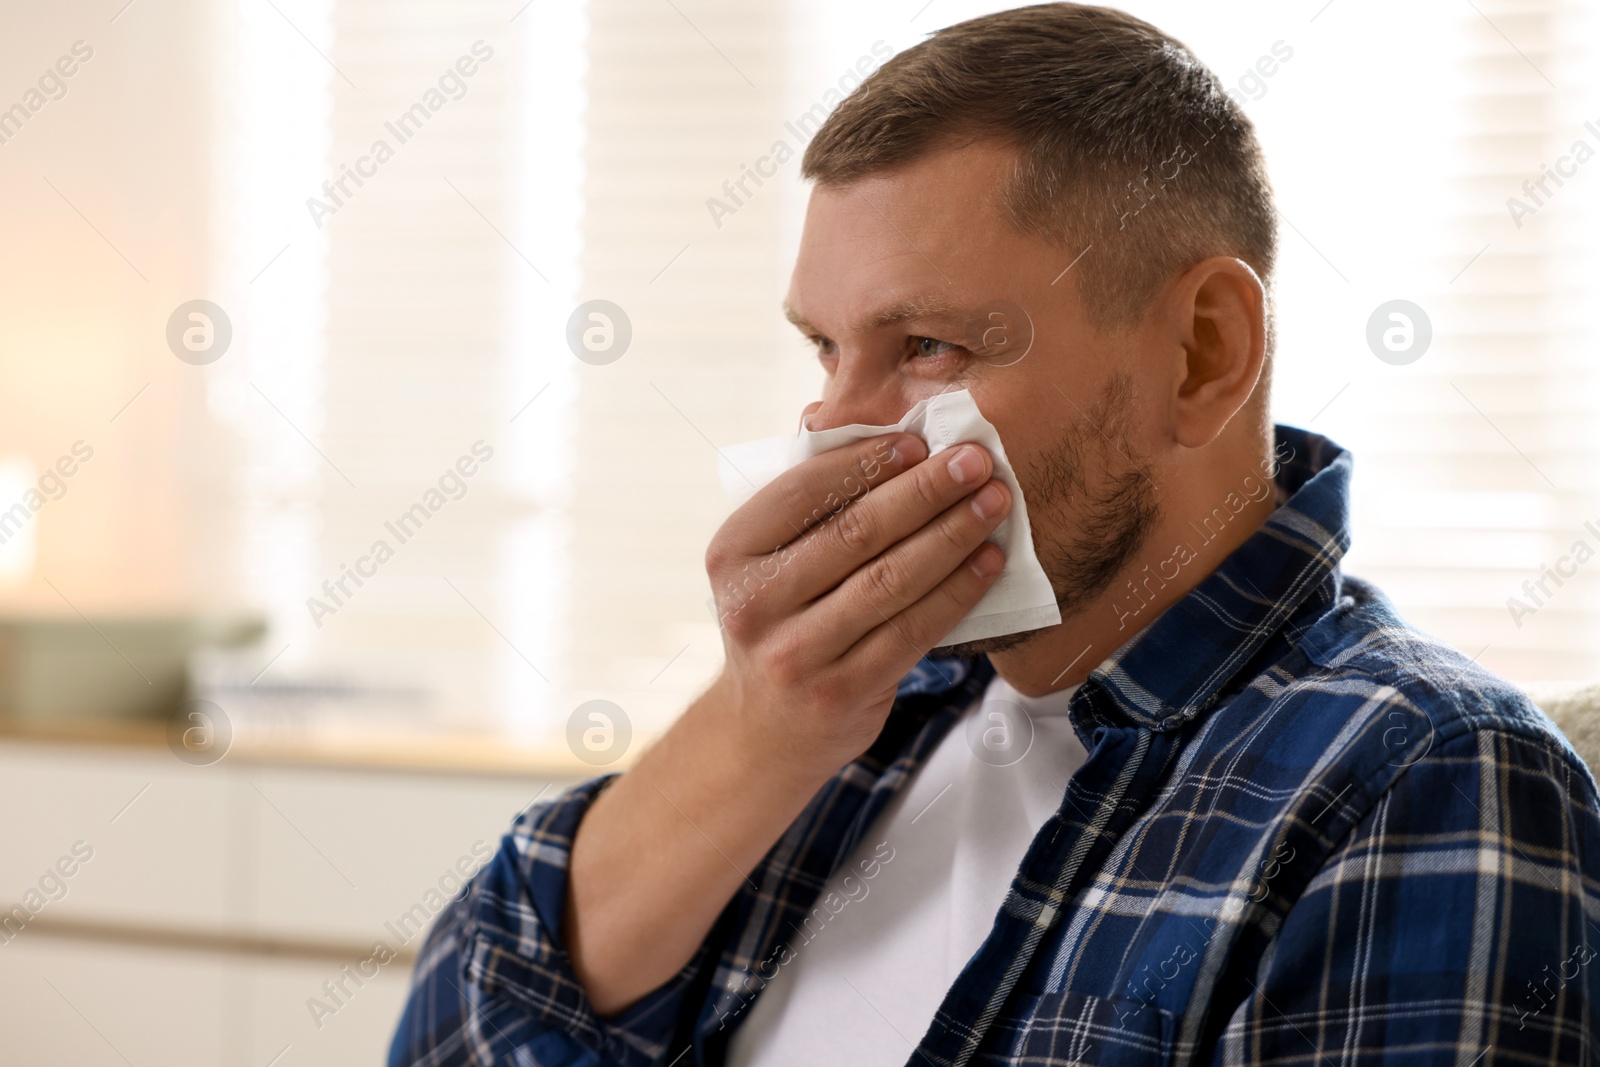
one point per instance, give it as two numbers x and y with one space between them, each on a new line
161 859
219 901
69 1002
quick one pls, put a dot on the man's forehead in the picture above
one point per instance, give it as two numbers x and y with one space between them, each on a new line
930 209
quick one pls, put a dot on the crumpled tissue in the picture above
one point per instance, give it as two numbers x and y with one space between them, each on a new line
1021 598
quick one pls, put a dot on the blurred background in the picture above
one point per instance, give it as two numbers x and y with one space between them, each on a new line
284 279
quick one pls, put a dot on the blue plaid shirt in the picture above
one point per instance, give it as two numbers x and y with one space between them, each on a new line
1305 834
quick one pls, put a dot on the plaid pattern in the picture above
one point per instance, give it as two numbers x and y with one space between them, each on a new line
1305 834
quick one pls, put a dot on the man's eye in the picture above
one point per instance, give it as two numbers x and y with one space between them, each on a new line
928 346
824 346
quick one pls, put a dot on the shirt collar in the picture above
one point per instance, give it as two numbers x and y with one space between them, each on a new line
1284 575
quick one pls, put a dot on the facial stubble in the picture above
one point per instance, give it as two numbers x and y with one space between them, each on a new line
1091 506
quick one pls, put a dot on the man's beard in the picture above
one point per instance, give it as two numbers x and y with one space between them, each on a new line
1093 465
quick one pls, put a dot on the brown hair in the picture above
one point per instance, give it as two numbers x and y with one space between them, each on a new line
1128 146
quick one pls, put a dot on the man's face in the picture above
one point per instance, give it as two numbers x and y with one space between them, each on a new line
912 283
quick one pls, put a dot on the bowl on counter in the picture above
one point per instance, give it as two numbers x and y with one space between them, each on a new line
113 667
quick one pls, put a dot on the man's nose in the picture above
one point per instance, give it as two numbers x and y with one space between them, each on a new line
878 408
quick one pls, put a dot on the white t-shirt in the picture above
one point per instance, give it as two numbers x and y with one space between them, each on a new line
864 988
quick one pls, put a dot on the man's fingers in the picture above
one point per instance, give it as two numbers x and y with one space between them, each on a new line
814 492
900 640
905 573
860 534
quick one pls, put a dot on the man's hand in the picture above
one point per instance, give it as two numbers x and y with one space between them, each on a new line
830 583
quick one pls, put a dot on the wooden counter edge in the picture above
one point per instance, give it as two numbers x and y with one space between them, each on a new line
462 753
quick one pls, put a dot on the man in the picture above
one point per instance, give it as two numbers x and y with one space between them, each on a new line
1240 812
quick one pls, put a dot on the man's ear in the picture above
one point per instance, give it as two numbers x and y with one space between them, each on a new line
1219 311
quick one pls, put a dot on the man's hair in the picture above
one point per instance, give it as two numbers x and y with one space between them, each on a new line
1127 145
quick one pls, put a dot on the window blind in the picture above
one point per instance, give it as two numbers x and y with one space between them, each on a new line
605 151
407 196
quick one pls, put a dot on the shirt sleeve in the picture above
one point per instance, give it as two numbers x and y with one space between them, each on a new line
1456 923
493 983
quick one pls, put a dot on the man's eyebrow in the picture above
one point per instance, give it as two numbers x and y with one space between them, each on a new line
915 307
798 319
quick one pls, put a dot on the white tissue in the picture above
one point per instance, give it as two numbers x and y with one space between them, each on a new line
1021 598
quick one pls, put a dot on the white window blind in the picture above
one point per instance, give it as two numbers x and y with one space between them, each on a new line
1472 463
584 161
682 97
406 197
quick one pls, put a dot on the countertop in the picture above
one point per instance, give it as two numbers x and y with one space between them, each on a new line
445 752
